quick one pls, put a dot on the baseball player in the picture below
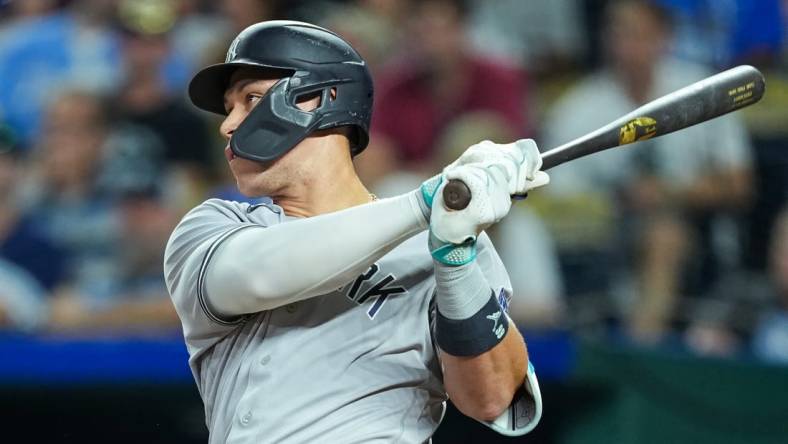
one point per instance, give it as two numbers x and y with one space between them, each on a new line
329 315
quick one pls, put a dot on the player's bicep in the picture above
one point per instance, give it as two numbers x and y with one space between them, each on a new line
237 277
221 290
185 262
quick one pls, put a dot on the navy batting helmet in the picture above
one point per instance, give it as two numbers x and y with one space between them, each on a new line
314 60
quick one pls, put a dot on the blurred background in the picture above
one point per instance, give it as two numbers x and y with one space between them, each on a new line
651 282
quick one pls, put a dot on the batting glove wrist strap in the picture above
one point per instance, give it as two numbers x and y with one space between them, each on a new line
428 190
451 254
474 335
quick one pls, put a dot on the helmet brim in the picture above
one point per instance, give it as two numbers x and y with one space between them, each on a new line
207 87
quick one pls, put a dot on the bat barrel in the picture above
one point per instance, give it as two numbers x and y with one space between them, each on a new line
712 97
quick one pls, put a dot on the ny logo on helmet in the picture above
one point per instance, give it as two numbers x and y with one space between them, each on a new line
231 53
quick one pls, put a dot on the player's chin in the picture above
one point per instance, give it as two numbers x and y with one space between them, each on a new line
251 177
249 187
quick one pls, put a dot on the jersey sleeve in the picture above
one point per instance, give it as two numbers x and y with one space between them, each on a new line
187 255
526 408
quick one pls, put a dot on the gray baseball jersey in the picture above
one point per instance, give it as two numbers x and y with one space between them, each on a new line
354 365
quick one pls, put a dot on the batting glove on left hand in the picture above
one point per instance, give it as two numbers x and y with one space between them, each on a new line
521 159
492 172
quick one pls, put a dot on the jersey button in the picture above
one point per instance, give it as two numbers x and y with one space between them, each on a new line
246 418
291 308
265 360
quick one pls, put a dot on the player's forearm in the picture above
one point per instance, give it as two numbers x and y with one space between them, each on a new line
483 354
261 269
483 386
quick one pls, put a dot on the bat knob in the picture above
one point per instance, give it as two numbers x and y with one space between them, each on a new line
456 195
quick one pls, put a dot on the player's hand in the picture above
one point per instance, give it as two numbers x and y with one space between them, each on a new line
452 238
521 158
492 172
491 201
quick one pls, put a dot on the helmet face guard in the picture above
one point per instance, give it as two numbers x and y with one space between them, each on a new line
274 126
313 61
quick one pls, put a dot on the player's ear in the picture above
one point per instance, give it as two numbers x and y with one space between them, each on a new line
312 101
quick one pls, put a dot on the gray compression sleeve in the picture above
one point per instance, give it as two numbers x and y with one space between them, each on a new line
469 321
265 268
461 291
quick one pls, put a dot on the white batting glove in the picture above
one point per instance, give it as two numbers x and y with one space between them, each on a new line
521 158
490 203
492 172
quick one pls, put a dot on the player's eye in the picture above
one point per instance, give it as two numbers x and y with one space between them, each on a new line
253 98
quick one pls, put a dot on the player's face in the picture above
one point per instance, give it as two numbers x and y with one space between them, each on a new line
255 178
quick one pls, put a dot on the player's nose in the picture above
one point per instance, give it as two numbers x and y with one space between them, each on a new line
230 123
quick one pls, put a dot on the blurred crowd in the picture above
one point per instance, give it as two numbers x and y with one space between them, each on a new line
680 241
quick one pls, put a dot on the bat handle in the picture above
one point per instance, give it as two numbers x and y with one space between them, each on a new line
457 195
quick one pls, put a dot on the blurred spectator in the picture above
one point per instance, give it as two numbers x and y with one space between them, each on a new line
373 27
45 48
22 298
770 338
198 34
132 295
438 80
22 242
145 26
722 33
30 264
32 8
136 299
536 35
672 201
766 123
74 191
146 100
243 13
65 196
747 308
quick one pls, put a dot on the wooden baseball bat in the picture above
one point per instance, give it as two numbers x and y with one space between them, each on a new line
704 100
